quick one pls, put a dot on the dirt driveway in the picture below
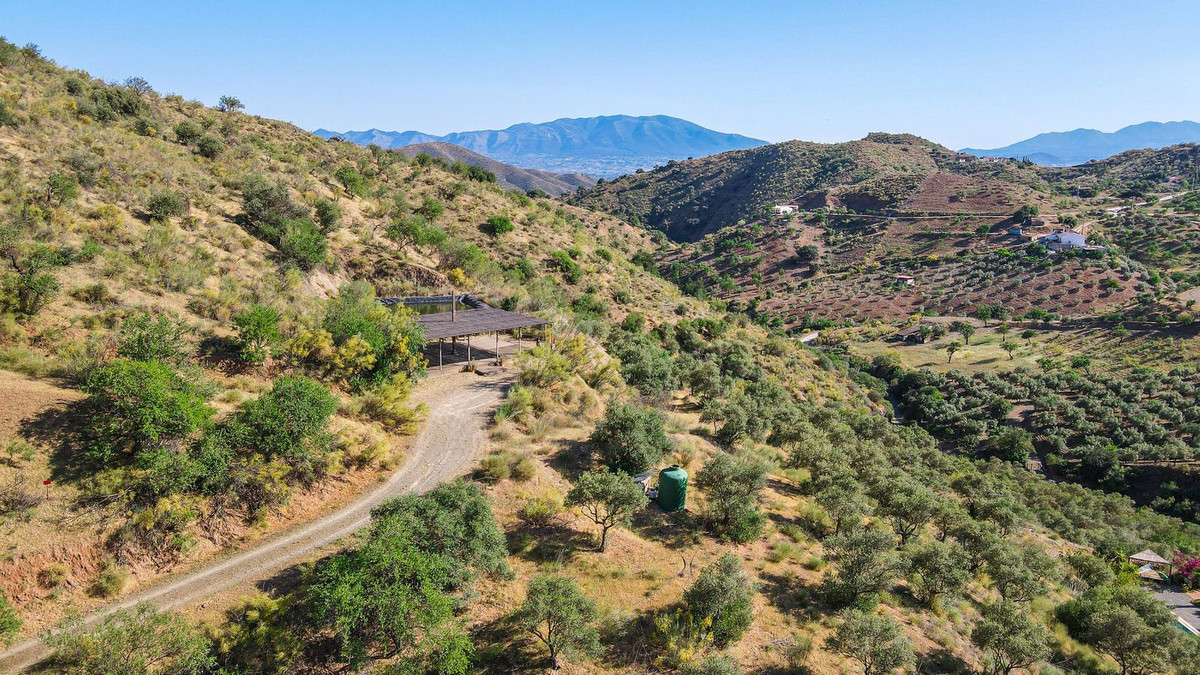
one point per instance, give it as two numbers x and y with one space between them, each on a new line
447 446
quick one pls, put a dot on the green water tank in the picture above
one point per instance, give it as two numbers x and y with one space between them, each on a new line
672 488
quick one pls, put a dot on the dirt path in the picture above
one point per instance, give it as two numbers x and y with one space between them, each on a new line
459 406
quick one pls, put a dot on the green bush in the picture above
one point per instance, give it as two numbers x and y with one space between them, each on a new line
139 406
111 581
289 421
724 594
352 180
140 640
188 132
258 332
303 243
165 204
10 623
499 225
570 270
631 438
144 337
329 214
210 146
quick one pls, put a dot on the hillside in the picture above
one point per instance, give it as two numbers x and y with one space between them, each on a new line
193 352
1065 148
605 146
880 173
509 177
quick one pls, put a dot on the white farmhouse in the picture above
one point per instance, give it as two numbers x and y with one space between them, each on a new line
1059 240
782 209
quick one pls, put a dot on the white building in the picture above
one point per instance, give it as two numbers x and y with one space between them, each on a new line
781 209
1064 239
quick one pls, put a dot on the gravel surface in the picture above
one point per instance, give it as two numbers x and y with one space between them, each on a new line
447 446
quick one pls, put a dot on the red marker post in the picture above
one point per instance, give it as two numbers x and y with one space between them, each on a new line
47 484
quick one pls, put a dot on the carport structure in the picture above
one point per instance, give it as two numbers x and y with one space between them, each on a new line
476 318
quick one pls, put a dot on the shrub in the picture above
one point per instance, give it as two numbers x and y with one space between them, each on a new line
562 261
210 146
144 337
165 204
288 421
723 593
52 575
540 511
874 641
329 214
188 132
111 581
141 640
388 405
303 243
139 406
258 331
10 623
97 295
732 486
495 467
61 188
352 180
630 438
499 225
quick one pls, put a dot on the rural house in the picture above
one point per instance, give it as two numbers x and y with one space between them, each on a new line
781 209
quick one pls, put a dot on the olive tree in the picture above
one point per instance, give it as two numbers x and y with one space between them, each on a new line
558 614
874 641
724 595
607 499
630 438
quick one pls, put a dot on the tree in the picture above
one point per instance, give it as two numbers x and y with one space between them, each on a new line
845 502
731 486
161 338
864 563
1026 212
499 225
141 406
1010 347
723 594
61 188
454 520
1019 572
630 438
1010 639
951 348
130 642
965 329
229 104
935 570
10 623
188 132
906 504
1028 334
874 641
351 180
556 612
388 597
289 421
258 331
985 313
1012 445
607 499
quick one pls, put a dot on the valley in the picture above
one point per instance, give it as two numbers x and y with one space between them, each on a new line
824 408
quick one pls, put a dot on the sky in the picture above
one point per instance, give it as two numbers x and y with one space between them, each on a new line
965 73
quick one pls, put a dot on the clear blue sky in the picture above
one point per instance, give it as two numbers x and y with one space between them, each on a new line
962 72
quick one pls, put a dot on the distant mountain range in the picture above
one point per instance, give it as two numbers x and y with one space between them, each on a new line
508 176
1065 148
605 146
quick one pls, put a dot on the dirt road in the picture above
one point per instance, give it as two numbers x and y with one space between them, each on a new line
447 446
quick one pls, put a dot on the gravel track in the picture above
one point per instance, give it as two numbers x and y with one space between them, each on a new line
459 406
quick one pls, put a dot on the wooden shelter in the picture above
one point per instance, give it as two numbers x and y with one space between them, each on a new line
1150 564
476 318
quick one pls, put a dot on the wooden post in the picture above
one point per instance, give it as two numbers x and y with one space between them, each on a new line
440 341
497 345
518 339
468 349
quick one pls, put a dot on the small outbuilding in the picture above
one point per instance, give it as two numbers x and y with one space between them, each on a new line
1151 565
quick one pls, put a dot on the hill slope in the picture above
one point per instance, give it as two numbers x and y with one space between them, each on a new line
879 173
604 146
1064 148
509 176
